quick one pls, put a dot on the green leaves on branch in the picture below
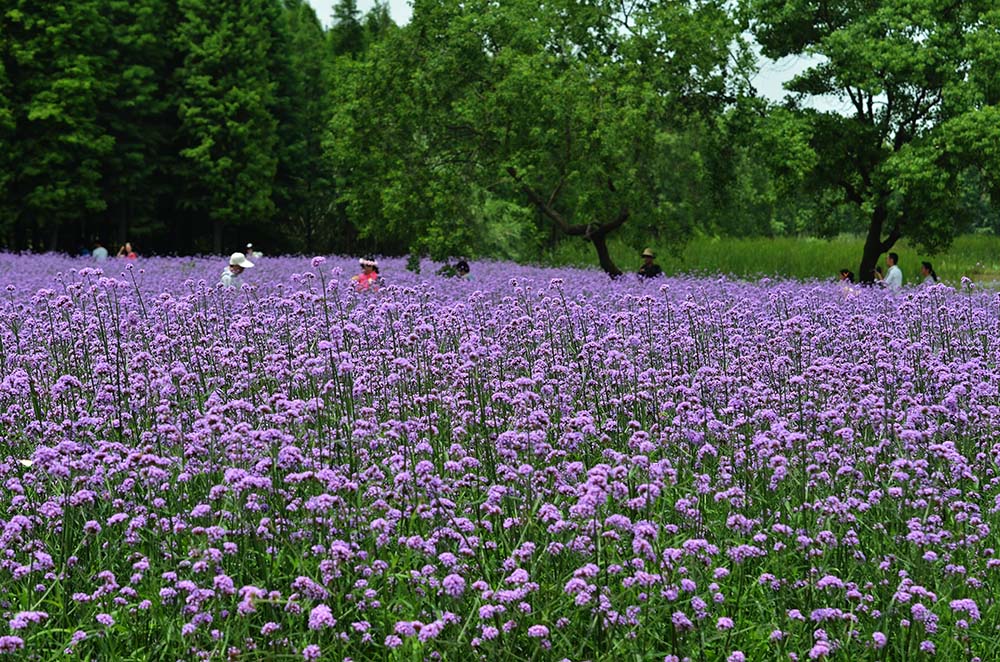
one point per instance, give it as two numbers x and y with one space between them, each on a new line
477 115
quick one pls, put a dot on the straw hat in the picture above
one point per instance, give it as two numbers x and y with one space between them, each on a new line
648 253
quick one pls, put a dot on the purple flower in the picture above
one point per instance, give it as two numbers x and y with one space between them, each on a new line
22 619
539 631
311 652
9 644
681 621
454 585
321 617
105 619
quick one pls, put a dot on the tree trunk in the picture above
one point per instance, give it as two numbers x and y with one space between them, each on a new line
603 256
122 225
54 236
875 245
595 235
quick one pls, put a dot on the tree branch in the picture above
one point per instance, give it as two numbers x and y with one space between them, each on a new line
894 234
544 206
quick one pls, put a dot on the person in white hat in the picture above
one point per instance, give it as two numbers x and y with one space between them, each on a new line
250 252
238 262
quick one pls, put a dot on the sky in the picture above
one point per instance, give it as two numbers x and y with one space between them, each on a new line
768 82
400 10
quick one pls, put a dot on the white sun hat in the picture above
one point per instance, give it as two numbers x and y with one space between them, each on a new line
240 260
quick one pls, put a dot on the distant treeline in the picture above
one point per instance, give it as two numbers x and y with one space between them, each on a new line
491 129
181 125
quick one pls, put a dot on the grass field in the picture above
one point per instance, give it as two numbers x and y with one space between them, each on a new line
974 256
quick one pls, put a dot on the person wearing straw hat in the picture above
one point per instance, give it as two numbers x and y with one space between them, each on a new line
649 269
238 263
368 279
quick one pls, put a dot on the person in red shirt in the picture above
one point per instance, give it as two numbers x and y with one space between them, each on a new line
368 279
127 252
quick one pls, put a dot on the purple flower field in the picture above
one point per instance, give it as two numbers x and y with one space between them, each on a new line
537 464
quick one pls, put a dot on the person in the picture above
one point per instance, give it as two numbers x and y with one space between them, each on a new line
927 271
127 252
649 269
369 277
846 276
250 252
238 263
894 276
100 253
462 270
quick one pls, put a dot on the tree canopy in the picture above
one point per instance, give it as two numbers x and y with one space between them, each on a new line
486 128
904 66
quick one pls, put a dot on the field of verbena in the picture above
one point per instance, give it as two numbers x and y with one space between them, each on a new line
537 464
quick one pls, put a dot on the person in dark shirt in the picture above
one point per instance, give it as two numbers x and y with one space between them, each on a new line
649 269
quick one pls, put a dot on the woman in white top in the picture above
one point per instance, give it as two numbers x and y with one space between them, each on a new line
927 271
238 263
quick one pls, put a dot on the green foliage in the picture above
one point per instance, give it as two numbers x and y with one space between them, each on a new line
305 191
226 102
902 65
57 70
491 129
136 115
972 256
515 106
7 126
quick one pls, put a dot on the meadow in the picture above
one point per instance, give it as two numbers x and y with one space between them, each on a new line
976 257
535 464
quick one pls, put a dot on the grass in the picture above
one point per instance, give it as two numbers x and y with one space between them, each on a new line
973 256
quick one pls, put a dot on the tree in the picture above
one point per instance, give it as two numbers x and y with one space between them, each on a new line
903 66
377 23
569 109
226 98
7 125
57 72
308 197
136 115
347 36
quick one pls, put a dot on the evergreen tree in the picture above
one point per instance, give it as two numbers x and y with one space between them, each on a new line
308 195
377 24
137 115
57 69
225 101
6 155
347 37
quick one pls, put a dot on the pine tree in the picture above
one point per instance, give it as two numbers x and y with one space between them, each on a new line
309 196
225 101
6 154
137 115
54 56
347 37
